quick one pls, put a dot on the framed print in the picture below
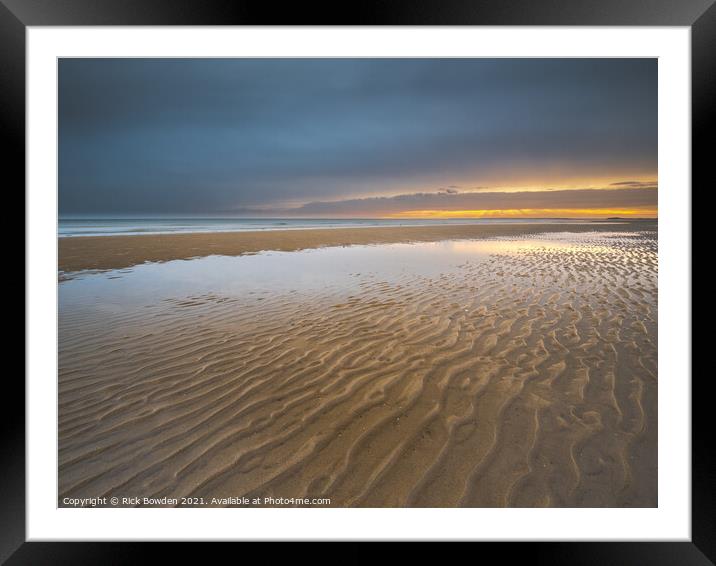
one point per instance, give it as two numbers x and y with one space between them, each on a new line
423 275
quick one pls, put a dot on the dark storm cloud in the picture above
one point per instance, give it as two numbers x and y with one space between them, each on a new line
634 184
213 136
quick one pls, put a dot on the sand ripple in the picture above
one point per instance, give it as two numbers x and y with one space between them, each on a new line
526 379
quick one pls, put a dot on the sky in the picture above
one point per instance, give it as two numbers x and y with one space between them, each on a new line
393 138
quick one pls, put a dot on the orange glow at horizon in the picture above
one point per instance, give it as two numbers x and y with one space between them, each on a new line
607 183
529 213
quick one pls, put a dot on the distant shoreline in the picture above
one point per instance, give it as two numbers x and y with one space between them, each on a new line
84 227
122 251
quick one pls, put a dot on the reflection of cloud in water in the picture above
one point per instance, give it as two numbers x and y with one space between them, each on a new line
497 246
313 271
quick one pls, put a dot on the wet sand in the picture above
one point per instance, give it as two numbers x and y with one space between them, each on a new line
524 375
116 252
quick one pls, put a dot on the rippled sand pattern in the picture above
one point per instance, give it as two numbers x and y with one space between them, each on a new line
525 379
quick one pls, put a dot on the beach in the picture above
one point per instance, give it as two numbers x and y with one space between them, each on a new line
418 366
116 252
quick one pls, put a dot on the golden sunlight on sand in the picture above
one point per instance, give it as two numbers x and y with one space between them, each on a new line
519 370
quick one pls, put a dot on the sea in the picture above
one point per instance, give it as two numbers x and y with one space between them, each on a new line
73 227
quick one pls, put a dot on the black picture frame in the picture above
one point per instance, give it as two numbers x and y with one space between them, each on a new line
16 15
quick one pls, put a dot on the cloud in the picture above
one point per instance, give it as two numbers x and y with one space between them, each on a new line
198 135
578 199
635 184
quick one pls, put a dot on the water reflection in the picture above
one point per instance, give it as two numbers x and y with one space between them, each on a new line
314 270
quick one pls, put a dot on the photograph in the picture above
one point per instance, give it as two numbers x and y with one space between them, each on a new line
357 282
